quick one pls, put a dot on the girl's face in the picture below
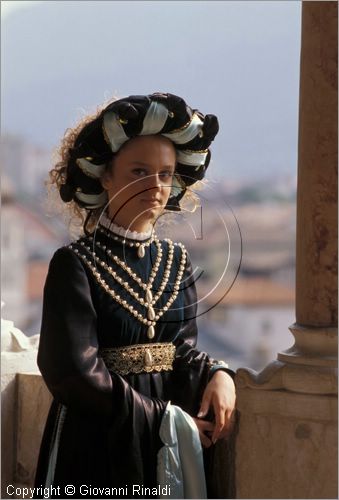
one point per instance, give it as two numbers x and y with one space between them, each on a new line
140 180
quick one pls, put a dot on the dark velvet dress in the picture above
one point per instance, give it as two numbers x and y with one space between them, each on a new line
110 432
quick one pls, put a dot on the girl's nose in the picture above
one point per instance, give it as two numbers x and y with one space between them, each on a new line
154 181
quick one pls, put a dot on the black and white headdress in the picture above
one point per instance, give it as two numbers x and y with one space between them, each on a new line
166 114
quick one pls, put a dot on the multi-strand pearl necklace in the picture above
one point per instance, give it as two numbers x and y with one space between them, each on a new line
148 301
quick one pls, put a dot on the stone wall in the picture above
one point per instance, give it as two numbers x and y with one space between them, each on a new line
25 404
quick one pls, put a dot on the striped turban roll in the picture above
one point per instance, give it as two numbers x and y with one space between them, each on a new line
166 114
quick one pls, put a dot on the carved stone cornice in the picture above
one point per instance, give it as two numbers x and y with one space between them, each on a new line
309 366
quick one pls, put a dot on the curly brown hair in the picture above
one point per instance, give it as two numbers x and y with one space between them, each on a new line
74 215
79 219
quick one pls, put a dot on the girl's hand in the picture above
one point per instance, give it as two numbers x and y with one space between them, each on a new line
220 396
205 429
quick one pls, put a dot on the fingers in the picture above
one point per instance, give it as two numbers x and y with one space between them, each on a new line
205 404
210 432
219 412
219 395
205 441
224 422
204 427
229 424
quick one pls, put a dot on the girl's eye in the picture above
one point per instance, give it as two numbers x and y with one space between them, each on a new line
140 172
166 174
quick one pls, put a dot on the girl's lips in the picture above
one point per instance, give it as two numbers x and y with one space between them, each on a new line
151 202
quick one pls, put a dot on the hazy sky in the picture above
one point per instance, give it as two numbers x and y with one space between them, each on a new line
238 60
9 6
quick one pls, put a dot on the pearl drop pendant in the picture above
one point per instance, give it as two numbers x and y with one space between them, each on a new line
148 358
150 313
150 332
149 296
141 251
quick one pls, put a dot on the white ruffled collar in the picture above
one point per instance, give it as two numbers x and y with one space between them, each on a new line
121 231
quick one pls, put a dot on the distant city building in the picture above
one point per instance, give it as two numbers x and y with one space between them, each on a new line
25 164
13 258
250 324
28 241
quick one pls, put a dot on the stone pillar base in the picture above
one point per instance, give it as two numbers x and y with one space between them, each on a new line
286 445
287 440
309 366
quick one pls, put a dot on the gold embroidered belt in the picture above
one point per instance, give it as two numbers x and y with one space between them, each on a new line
139 358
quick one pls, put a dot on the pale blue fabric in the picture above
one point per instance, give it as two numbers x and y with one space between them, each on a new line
180 461
114 131
187 133
191 158
155 119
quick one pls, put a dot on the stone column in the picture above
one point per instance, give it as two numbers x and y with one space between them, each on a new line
317 221
287 441
315 330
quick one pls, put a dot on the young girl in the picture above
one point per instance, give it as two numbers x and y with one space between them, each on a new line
118 334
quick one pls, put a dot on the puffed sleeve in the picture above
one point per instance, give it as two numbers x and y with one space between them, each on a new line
67 355
192 369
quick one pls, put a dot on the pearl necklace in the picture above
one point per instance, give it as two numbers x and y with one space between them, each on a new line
126 237
149 301
132 274
140 245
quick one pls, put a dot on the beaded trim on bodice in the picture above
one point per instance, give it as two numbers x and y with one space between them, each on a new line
91 252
